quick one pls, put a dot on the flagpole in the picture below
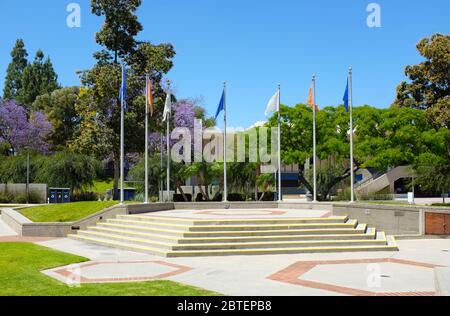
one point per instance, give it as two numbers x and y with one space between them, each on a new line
146 138
352 169
280 198
122 141
314 141
168 146
161 166
225 180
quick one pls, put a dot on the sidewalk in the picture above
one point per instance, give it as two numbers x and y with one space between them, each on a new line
409 272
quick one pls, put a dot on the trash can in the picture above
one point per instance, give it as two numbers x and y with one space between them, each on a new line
59 195
128 194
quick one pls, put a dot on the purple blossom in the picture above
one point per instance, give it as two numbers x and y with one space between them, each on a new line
183 116
23 131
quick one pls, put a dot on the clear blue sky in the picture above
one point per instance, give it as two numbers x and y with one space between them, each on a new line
252 44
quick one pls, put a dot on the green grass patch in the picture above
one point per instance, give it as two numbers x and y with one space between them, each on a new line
101 186
21 263
70 212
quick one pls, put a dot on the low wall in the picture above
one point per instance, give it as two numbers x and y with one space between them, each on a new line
393 219
24 227
220 205
39 190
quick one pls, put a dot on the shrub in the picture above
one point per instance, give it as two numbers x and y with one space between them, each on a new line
268 196
343 195
5 198
376 197
180 198
84 197
235 197
199 198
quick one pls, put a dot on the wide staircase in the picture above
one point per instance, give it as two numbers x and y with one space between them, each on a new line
175 237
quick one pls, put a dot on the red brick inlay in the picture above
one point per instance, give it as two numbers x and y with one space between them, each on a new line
293 273
68 272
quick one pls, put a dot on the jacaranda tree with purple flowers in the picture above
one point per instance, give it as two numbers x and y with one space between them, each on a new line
21 130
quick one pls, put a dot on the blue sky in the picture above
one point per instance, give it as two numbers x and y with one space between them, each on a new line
252 44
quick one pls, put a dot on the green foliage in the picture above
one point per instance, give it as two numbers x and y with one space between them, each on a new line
383 138
65 169
428 87
14 169
119 29
14 73
62 169
60 109
38 78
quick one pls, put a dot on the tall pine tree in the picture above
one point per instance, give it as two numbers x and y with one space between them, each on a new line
14 73
38 78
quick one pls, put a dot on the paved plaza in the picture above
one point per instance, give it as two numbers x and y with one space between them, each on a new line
417 269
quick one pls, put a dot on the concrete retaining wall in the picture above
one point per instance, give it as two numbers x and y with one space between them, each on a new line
393 219
36 189
219 205
24 227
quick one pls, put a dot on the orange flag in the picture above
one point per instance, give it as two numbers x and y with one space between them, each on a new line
310 101
150 96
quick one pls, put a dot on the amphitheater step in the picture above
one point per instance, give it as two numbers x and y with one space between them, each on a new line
210 228
389 246
224 222
360 229
370 234
179 237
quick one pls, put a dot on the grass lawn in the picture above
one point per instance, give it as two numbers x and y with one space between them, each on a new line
21 263
64 212
101 186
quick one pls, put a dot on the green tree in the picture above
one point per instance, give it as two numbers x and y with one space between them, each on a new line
99 104
384 138
118 32
14 73
60 108
66 169
428 87
38 78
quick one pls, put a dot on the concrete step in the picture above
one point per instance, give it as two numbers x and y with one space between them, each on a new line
232 222
348 224
130 233
370 234
390 246
210 228
360 229
120 245
156 225
380 240
167 232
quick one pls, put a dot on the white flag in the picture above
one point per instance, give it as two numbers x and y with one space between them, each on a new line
274 104
167 107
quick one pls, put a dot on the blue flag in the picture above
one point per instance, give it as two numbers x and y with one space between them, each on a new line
221 105
346 102
123 87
